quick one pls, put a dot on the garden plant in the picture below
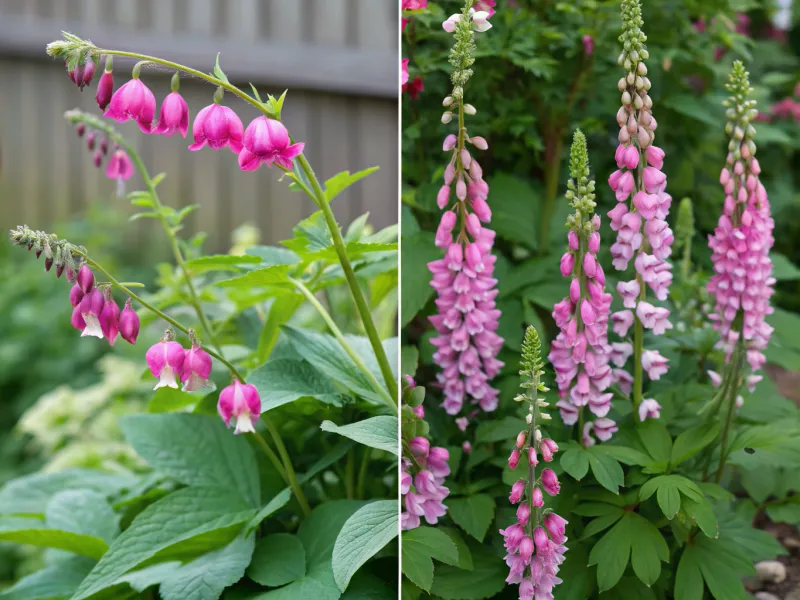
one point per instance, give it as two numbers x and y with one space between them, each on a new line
656 335
262 462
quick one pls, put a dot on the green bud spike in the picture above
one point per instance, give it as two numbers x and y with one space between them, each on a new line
739 82
632 38
461 54
532 363
684 226
580 189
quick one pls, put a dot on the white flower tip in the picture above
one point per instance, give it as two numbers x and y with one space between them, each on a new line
167 379
244 424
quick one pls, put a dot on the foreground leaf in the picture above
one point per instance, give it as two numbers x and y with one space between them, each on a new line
486 579
195 450
282 381
377 432
473 514
84 512
184 523
36 533
365 533
56 581
419 546
279 559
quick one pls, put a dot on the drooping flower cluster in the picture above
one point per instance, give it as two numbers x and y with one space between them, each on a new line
264 141
467 316
639 218
424 468
580 354
742 283
535 543
119 167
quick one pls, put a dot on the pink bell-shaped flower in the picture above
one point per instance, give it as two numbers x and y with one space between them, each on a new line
85 279
174 116
165 359
119 166
82 75
240 401
109 318
218 126
196 369
133 100
91 307
129 323
105 88
267 141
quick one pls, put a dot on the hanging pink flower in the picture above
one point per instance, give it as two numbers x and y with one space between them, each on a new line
196 369
91 307
174 116
133 100
109 318
119 166
218 126
105 89
165 360
267 141
129 323
82 74
240 401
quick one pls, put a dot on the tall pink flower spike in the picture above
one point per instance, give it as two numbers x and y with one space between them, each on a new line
742 283
467 316
240 401
581 354
535 542
643 235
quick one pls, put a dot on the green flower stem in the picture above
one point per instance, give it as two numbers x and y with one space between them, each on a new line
276 462
388 400
173 241
124 289
287 464
350 276
318 196
362 472
737 363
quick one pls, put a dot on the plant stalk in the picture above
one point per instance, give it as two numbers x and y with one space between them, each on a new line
287 464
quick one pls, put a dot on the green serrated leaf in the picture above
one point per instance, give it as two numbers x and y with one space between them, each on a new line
473 514
419 546
364 534
281 381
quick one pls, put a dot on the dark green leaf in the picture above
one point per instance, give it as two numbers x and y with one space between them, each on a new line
419 546
377 432
282 381
279 558
473 514
341 181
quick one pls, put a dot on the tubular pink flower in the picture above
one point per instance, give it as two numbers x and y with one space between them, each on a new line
165 360
109 318
76 294
654 364
129 323
119 166
467 317
174 116
77 319
196 369
649 409
239 401
85 279
133 100
743 280
550 482
266 141
517 490
91 307
218 126
105 89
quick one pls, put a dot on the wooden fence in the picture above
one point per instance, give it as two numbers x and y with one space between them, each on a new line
338 57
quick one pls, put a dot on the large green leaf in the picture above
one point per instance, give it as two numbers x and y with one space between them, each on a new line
656 440
606 470
36 533
221 262
575 461
83 511
318 532
365 533
280 558
185 523
498 430
56 581
276 276
327 355
514 206
341 181
280 311
634 538
720 563
486 579
420 546
668 490
691 441
29 495
377 432
473 514
195 450
282 381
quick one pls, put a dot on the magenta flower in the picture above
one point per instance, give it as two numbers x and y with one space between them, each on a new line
196 369
85 279
550 482
75 295
105 89
218 126
119 166
654 364
517 490
165 359
82 75
404 72
133 100
240 401
91 307
588 44
486 6
77 319
267 141
129 323
109 318
174 116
